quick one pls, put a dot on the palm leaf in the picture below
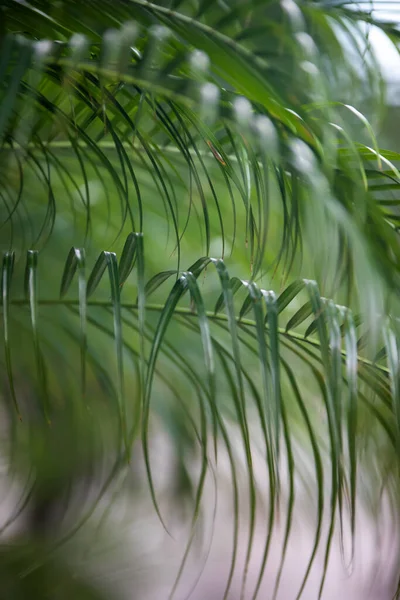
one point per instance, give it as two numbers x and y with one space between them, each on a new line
333 366
183 124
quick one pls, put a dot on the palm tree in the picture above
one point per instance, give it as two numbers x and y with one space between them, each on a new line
199 236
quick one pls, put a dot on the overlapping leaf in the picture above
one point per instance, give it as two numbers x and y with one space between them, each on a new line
329 351
94 99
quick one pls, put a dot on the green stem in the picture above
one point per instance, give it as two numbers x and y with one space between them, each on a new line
110 145
291 335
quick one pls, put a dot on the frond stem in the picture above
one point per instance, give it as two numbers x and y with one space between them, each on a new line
188 312
110 145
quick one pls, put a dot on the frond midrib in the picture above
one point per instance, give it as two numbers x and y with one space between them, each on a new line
188 312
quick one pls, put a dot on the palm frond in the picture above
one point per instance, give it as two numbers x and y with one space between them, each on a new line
189 123
89 102
256 327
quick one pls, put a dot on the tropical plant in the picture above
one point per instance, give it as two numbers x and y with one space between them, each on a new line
198 229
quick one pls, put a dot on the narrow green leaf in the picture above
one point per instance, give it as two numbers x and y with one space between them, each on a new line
112 264
179 288
157 280
319 472
206 339
77 260
356 154
31 292
69 272
265 366
141 301
197 267
242 419
370 130
97 274
6 277
235 285
82 293
202 477
246 306
187 281
300 316
352 410
127 260
238 389
291 498
289 294
272 320
328 389
313 326
335 343
109 260
380 355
